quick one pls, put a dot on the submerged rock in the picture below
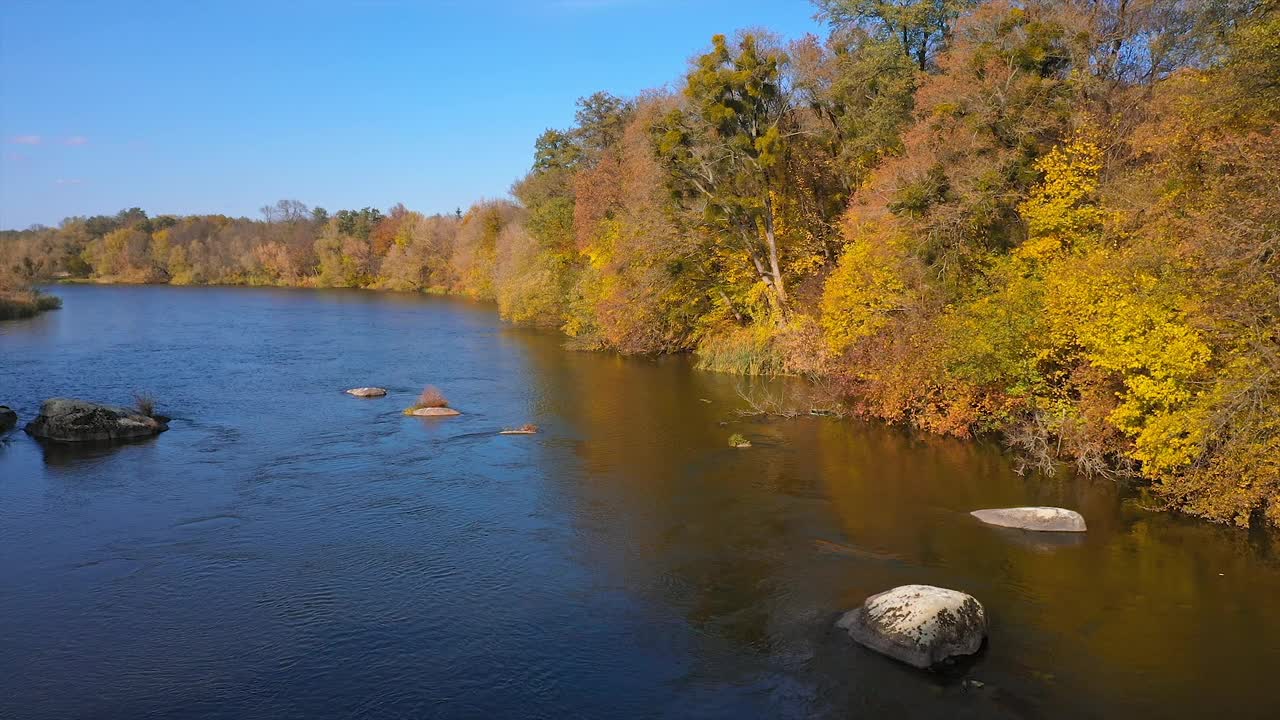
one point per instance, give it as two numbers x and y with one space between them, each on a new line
64 420
920 625
367 392
8 418
529 429
432 412
1039 519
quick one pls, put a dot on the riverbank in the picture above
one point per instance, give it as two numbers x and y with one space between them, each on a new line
835 386
15 305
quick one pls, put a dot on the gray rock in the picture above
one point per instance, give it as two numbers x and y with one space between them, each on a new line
64 420
1040 519
367 392
920 625
8 418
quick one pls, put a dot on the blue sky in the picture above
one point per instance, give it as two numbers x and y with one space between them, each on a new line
225 106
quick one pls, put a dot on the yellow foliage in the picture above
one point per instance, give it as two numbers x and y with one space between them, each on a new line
1063 212
1129 323
866 286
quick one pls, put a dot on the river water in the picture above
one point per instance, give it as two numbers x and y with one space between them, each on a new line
287 551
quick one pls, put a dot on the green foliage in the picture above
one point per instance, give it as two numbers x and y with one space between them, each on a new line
725 152
358 223
920 27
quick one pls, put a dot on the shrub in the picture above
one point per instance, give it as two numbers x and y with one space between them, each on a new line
145 403
738 441
431 397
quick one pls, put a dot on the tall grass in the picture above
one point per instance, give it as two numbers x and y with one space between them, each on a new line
742 351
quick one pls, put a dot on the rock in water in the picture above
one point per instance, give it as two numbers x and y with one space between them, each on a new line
63 420
1040 519
920 625
8 418
432 412
367 392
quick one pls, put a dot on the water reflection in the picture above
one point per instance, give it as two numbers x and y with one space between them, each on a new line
758 549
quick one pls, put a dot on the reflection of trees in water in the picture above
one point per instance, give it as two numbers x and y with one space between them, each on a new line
678 515
732 540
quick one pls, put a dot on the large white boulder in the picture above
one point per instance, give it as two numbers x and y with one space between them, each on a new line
920 625
1040 519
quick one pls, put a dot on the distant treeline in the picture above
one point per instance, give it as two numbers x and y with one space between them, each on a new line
1058 221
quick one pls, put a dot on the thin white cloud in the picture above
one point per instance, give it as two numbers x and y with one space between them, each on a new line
76 140
68 181
25 139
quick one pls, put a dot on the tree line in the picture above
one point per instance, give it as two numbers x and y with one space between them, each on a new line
1055 221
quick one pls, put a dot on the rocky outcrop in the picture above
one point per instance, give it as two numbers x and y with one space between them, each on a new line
1039 519
8 418
920 625
432 412
64 420
367 392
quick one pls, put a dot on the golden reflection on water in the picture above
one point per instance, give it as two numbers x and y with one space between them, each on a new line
761 547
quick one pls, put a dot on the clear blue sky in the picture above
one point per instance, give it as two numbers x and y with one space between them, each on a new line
225 106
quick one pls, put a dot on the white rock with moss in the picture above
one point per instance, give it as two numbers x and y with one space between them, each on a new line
920 625
1038 519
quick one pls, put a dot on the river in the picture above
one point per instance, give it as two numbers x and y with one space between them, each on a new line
288 551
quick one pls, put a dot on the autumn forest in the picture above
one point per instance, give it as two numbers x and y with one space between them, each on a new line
1052 222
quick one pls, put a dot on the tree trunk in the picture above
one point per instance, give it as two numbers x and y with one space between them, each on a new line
765 275
772 241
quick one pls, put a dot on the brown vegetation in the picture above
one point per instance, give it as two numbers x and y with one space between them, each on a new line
144 403
431 397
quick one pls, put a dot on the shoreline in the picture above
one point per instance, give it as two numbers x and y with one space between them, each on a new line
780 412
25 304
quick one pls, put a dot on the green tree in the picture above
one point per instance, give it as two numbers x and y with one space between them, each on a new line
921 27
601 118
725 149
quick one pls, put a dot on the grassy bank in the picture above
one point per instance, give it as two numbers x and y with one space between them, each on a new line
17 304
